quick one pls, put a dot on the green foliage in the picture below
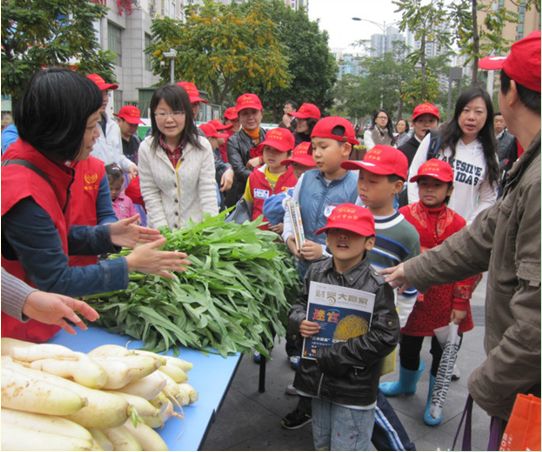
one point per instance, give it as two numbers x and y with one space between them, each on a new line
50 33
224 49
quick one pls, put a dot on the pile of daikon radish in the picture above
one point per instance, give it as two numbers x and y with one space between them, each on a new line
54 398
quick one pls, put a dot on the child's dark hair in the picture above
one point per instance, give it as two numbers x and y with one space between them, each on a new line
114 172
293 103
394 178
528 97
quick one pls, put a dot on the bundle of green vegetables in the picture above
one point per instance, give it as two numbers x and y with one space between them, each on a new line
234 297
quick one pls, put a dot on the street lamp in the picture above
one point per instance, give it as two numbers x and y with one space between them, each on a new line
171 54
382 26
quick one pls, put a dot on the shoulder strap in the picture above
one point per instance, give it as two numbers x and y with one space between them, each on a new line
434 144
30 166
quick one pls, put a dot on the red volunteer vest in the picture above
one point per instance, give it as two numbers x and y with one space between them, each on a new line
84 193
19 182
261 190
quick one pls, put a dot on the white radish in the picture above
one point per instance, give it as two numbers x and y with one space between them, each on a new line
122 439
176 373
146 436
110 351
101 438
147 387
188 389
43 423
22 438
43 351
142 406
25 391
172 389
166 411
84 371
123 370
8 344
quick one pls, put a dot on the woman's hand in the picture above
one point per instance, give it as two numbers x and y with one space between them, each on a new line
311 251
254 162
308 329
396 277
55 309
127 233
457 316
226 181
148 258
277 228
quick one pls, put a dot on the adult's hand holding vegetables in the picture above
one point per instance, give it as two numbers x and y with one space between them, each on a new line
148 258
127 233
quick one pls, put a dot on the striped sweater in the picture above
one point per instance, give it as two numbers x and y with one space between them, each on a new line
396 241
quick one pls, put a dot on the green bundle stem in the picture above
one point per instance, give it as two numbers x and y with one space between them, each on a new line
235 297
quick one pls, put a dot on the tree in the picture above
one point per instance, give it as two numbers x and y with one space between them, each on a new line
224 49
310 63
50 33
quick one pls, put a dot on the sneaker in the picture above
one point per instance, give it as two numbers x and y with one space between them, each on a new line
296 419
294 361
456 374
257 357
290 390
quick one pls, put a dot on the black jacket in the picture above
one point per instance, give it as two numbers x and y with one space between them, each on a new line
409 148
348 372
239 146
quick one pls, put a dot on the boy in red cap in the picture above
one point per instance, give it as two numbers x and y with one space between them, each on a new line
129 117
440 304
342 381
382 173
272 177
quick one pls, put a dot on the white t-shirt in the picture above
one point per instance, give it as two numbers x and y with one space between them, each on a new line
472 190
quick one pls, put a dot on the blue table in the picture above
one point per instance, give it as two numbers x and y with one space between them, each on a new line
211 377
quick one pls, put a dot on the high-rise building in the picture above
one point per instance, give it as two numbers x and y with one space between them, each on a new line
348 64
383 43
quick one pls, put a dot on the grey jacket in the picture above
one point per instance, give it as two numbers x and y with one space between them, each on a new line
505 240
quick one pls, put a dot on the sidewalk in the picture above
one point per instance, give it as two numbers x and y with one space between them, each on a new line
249 420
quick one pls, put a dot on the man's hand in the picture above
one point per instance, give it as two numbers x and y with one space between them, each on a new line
308 329
55 309
457 316
396 277
226 181
254 163
127 233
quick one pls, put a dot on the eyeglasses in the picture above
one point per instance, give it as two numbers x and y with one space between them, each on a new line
381 117
163 115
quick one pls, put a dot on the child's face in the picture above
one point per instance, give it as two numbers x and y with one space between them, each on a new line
272 158
433 192
347 246
329 154
376 191
115 186
299 169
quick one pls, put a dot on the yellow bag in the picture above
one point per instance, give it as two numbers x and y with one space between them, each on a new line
388 366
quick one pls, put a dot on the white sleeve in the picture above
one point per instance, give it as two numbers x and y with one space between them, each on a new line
368 139
405 304
149 190
418 160
288 229
487 196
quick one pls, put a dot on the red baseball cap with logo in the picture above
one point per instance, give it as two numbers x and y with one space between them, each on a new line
248 100
192 91
425 109
307 111
325 127
210 131
280 139
382 160
231 114
351 218
218 125
101 83
301 155
131 114
437 169
522 63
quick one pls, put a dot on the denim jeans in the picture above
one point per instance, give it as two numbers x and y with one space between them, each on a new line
335 427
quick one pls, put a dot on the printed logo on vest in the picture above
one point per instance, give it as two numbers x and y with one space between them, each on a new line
259 193
90 181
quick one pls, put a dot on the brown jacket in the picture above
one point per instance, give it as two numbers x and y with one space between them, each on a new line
505 240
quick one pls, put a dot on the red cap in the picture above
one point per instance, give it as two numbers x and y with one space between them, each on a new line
231 114
101 83
131 114
210 131
192 91
280 139
307 111
324 129
437 169
522 63
382 160
301 155
248 100
218 125
352 218
425 109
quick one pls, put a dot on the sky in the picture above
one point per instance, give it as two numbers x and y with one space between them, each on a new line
335 16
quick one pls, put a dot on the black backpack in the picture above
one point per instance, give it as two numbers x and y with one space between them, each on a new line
434 144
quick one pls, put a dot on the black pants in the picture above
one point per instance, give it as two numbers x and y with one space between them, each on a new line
409 352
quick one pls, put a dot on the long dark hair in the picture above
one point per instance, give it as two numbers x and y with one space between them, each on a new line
407 127
53 112
178 100
389 126
451 132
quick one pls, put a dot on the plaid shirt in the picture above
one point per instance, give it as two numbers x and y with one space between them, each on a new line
173 156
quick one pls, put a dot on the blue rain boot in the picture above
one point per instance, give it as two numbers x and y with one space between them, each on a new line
427 418
408 379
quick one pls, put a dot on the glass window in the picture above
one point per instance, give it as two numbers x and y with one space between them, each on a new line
148 66
114 35
117 100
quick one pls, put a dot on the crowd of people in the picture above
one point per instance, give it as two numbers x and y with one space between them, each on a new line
430 207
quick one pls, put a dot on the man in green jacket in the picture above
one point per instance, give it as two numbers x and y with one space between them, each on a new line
505 241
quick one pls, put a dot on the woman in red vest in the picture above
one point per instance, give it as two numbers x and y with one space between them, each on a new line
56 119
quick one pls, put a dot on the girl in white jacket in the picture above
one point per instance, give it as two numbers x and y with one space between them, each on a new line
176 164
